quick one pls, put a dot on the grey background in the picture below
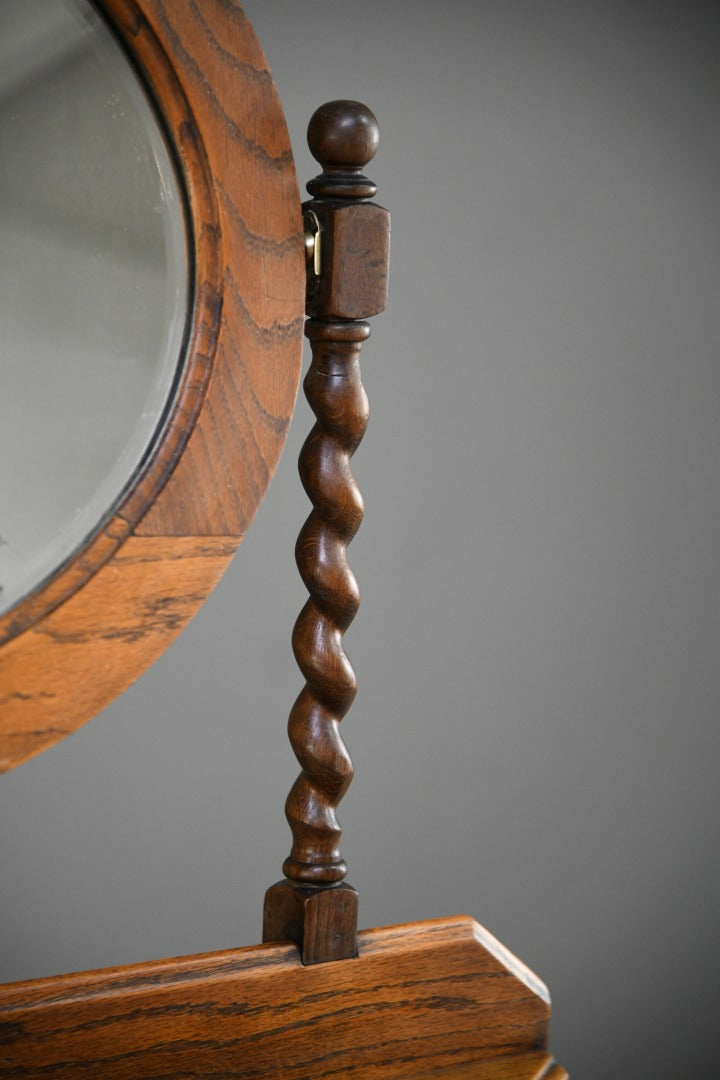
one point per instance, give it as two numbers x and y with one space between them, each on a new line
536 734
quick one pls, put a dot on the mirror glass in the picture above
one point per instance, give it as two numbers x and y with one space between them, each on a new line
93 283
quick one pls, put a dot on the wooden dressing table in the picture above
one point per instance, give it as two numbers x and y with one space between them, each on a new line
317 998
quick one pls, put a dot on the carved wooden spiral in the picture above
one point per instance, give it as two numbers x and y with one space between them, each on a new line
335 392
348 245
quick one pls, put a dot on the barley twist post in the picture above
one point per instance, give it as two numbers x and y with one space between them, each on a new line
348 249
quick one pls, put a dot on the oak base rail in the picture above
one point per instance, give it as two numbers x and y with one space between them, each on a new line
420 999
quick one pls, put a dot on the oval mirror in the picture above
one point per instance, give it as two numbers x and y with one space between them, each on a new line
93 283
151 301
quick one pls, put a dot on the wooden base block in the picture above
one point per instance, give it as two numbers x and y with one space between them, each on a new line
321 921
419 1000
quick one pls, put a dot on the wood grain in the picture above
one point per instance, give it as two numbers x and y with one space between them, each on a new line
124 618
234 447
532 1066
214 459
420 999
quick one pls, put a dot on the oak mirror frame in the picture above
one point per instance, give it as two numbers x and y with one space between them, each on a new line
79 639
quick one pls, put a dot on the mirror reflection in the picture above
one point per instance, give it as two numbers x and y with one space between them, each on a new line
93 283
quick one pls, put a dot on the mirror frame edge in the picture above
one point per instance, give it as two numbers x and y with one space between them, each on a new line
88 632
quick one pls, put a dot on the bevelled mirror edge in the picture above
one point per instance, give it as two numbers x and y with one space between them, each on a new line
97 293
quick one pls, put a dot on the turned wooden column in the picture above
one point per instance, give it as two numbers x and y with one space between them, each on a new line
348 242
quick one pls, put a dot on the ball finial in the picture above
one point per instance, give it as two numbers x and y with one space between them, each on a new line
343 135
